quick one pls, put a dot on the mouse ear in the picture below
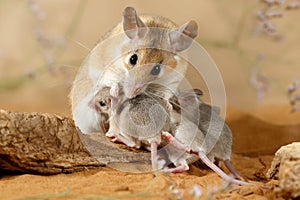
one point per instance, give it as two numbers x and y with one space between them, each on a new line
133 26
198 92
190 97
182 37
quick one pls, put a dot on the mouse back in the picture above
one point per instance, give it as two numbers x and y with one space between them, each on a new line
143 118
214 134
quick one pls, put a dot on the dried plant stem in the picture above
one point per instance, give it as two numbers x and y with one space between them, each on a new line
15 82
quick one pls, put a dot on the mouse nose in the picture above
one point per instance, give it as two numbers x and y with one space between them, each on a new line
133 92
132 89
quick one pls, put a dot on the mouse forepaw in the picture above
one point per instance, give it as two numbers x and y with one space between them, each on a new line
110 134
115 90
116 140
167 136
172 140
114 137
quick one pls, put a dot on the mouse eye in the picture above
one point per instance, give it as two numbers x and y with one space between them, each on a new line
133 59
155 70
102 103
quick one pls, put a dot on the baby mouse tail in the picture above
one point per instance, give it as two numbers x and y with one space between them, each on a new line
222 174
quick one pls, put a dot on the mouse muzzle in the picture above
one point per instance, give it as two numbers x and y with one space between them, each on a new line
131 90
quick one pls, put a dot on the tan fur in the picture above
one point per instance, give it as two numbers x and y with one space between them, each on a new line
107 64
152 56
80 86
83 83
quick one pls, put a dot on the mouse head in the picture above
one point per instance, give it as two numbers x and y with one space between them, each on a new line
150 66
102 101
150 51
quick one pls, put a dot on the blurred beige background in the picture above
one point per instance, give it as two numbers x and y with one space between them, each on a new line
43 43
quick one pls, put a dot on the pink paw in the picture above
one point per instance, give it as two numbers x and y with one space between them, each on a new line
116 139
167 136
172 140
110 134
115 91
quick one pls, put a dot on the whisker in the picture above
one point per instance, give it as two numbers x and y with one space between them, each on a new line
173 102
103 71
159 96
82 45
151 96
173 81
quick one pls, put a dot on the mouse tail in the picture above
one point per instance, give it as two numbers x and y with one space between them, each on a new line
222 174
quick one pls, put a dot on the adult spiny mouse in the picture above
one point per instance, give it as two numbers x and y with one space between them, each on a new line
140 50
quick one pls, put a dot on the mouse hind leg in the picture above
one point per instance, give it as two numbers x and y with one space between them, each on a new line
178 169
178 158
154 156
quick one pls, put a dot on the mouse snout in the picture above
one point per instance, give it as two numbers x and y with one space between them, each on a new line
131 90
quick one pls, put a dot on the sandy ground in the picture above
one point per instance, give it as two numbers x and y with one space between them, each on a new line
252 157
259 127
106 182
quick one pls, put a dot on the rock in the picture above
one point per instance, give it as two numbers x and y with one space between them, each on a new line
286 167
